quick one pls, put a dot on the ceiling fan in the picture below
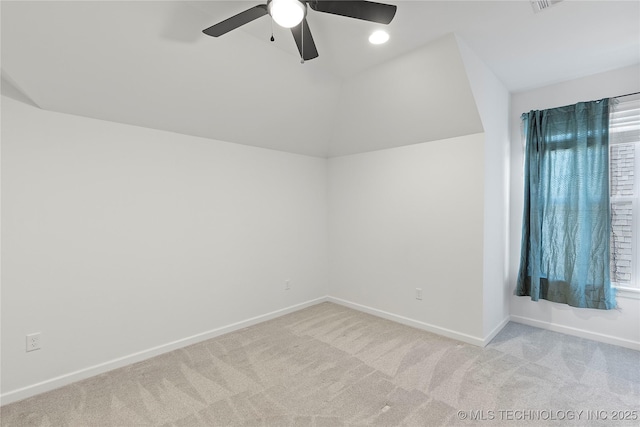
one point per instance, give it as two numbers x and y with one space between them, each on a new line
292 14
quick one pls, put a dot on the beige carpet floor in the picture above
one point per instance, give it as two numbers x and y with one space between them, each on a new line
328 365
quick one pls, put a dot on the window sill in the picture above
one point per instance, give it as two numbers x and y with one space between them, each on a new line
626 292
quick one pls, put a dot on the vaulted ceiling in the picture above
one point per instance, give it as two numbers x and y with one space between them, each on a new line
147 63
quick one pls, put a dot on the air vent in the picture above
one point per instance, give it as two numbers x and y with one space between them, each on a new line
540 5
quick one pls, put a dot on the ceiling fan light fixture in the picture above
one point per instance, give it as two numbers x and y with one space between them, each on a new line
379 37
287 13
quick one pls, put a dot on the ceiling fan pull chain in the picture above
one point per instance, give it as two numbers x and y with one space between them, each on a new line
302 38
272 38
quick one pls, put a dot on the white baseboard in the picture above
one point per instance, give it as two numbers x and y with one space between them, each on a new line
496 331
51 384
480 342
581 333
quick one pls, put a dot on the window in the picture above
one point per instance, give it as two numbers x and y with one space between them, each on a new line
566 214
624 184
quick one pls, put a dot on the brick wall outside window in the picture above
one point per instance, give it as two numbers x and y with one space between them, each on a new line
622 162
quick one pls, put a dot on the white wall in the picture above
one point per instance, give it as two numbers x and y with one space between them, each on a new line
420 96
411 217
119 240
621 326
492 100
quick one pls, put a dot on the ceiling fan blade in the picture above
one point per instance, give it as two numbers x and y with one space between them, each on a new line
302 35
365 10
236 21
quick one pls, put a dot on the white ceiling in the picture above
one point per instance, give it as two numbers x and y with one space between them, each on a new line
147 63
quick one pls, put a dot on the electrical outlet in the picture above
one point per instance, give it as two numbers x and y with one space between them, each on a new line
33 341
287 285
419 293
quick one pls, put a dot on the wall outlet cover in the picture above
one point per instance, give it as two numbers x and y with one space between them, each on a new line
33 341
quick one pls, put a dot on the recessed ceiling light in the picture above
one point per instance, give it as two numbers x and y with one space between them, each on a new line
378 37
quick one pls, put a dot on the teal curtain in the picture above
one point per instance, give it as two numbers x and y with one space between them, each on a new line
565 228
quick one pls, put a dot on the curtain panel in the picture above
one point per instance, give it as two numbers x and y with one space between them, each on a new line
566 219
